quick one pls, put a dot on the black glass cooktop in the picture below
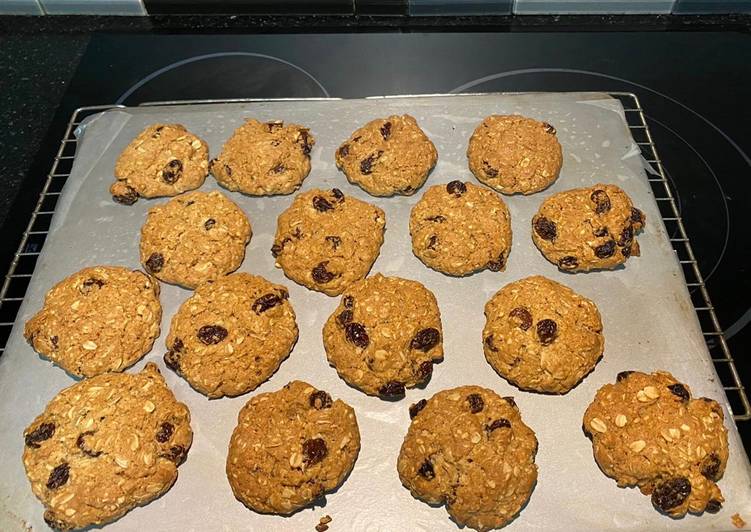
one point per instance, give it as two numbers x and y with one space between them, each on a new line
692 86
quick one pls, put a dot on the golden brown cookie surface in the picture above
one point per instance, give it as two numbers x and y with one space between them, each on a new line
648 432
264 158
388 156
163 160
469 449
290 447
104 446
514 154
385 335
97 320
231 335
541 335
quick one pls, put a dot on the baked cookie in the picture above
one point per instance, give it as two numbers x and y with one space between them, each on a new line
388 156
163 160
468 448
290 447
231 335
541 335
587 229
385 335
97 320
104 446
648 432
194 238
264 158
514 154
460 228
326 241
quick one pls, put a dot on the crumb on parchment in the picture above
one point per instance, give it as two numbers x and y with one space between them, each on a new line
323 524
738 521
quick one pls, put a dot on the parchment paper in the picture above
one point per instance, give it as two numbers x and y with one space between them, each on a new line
648 320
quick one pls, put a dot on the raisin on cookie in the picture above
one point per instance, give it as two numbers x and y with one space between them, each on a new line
231 335
104 446
460 228
290 448
647 431
385 335
196 237
264 158
585 229
388 156
97 320
469 449
514 154
163 160
541 335
326 241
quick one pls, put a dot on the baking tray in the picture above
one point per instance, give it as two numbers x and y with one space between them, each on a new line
649 320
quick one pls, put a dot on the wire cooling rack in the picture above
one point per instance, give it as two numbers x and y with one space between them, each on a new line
24 261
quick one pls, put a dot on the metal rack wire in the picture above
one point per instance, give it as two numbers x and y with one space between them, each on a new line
22 266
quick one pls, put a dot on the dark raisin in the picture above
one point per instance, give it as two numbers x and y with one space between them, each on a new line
176 454
438 218
547 330
54 523
601 201
680 390
627 236
545 228
386 130
637 217
489 170
713 506
426 339
314 451
320 400
523 316
476 404
155 263
424 371
417 408
600 232
321 204
42 433
172 360
59 476
497 265
489 343
81 444
321 275
499 423
344 317
457 188
671 493
356 334
338 194
366 165
510 400
710 468
605 250
265 302
306 144
272 126
165 432
391 389
208 224
228 170
548 128
432 241
54 340
426 470
212 334
343 150
178 345
568 263
335 241
128 198
277 249
623 375
348 301
626 251
172 171
279 168
88 285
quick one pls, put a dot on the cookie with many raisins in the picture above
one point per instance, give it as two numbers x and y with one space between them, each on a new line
196 237
97 320
541 335
647 431
388 156
264 158
469 449
104 446
163 160
326 241
385 335
231 335
290 448
514 154
587 229
460 228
